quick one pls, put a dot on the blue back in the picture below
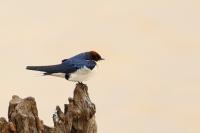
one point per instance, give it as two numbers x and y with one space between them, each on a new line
81 56
76 62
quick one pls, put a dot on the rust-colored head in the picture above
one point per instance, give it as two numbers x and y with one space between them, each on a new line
95 56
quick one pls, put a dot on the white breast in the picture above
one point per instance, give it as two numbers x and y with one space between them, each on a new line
80 75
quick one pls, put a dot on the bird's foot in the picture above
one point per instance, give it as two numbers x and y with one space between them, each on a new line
81 84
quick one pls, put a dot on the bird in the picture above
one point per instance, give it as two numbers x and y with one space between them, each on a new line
77 68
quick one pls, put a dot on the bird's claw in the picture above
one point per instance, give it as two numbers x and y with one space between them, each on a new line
81 84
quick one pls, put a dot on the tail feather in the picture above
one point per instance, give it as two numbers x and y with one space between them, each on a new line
47 69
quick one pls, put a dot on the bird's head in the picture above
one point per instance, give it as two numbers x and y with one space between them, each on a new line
95 56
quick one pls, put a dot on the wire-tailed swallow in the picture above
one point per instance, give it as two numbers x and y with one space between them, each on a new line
77 68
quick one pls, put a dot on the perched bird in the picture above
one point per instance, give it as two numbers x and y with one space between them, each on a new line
77 68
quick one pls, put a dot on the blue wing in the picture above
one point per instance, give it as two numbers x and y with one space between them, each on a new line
67 66
73 65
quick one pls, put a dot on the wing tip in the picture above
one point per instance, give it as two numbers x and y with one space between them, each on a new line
30 68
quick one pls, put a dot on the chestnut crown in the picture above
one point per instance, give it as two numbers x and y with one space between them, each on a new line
95 56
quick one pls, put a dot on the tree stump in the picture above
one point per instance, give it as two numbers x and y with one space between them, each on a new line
78 115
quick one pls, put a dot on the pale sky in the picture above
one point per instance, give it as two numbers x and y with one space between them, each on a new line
150 80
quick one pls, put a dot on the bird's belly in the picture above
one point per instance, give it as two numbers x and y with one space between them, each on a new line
80 75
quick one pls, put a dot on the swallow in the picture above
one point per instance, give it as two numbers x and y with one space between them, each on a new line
77 68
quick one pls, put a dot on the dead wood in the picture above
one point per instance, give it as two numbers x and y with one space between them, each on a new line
78 115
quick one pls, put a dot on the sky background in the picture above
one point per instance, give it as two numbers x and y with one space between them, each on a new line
150 80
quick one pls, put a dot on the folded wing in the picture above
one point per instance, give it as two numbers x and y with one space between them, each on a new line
68 66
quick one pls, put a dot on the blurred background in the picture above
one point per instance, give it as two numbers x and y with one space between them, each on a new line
150 80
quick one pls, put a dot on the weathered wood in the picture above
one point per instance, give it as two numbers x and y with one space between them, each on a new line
78 115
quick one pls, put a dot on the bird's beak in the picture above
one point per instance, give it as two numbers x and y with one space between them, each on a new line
102 59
